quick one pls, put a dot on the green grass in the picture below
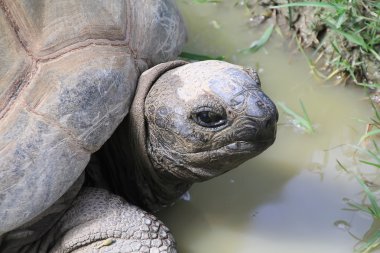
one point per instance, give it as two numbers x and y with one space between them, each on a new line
299 120
372 208
258 44
207 1
309 4
200 57
372 205
374 126
372 243
314 70
352 26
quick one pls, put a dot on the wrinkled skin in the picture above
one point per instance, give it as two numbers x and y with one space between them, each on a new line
90 145
188 123
216 118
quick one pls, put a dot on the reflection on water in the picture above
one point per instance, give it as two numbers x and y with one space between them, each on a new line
290 198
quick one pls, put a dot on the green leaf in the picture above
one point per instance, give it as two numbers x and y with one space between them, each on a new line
375 209
342 166
369 85
304 122
310 4
377 113
354 38
369 134
342 18
370 163
207 1
305 113
200 57
359 207
372 242
377 56
257 44
368 152
376 148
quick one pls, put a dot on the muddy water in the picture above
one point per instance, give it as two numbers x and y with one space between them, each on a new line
290 199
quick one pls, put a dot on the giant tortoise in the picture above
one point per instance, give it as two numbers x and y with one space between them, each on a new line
100 125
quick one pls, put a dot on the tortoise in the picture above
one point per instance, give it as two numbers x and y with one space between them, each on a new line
101 126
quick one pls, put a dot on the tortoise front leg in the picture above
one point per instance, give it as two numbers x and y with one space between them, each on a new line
99 221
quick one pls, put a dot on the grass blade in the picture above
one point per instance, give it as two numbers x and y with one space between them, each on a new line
369 152
369 85
257 44
372 242
342 166
369 134
374 208
370 163
359 207
375 54
305 113
304 122
200 57
309 4
342 18
377 113
354 38
207 1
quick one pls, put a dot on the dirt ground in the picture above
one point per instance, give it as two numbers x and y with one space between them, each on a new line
334 56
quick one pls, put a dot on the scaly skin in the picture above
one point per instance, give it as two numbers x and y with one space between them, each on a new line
69 77
188 123
99 221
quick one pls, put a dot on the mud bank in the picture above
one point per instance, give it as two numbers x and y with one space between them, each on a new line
344 37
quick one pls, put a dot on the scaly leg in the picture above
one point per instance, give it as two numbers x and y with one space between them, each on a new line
99 221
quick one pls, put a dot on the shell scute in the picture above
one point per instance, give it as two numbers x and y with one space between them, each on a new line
87 93
68 74
14 62
46 26
29 152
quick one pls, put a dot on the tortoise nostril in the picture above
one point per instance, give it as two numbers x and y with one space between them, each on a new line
268 123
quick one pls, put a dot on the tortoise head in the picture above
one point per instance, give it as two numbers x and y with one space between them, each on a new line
203 119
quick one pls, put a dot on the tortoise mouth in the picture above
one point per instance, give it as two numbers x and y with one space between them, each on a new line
247 146
223 159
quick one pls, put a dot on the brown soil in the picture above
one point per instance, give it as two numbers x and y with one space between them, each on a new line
305 24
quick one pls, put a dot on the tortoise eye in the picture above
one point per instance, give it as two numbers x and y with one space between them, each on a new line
208 118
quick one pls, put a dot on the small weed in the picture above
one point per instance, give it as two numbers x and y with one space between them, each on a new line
371 206
353 36
308 4
302 121
372 209
373 128
257 44
207 1
372 243
314 70
370 133
200 57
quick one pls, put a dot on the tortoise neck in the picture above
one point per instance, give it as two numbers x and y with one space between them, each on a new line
124 159
124 168
157 186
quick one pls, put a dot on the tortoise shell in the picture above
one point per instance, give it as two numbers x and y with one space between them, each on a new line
68 73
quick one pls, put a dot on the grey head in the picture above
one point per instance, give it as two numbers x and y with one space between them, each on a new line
189 123
206 118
